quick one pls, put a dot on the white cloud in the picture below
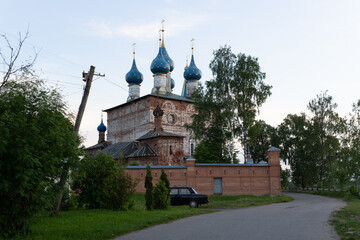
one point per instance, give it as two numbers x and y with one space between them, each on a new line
176 23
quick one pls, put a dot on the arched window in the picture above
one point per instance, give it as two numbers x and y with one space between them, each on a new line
171 150
191 149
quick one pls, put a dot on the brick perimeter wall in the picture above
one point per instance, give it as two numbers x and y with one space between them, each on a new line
237 179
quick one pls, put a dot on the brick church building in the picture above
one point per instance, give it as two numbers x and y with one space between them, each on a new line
150 130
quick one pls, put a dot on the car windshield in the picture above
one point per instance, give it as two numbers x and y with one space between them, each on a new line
194 191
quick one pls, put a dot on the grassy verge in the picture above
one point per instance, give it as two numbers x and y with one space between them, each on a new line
219 202
107 224
347 220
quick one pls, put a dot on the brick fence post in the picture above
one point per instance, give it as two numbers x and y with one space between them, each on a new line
190 172
274 171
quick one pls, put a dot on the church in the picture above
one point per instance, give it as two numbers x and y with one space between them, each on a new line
150 129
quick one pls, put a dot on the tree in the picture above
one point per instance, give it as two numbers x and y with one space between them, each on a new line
165 179
11 58
327 125
208 151
36 136
101 182
228 106
285 177
260 138
294 137
149 189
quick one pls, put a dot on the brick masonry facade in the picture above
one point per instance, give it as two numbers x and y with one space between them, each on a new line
231 179
130 121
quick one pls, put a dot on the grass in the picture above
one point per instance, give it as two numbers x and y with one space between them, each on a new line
346 220
107 224
220 202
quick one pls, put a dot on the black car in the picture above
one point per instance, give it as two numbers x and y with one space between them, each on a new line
182 195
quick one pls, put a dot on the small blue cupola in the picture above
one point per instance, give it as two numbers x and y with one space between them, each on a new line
134 76
192 73
101 127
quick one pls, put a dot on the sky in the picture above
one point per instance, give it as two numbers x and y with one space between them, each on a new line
304 47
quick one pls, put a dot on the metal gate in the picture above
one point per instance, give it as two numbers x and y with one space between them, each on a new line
218 186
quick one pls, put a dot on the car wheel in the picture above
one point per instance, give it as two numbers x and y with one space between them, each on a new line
193 204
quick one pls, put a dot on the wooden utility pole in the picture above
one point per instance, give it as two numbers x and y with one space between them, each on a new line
65 171
88 79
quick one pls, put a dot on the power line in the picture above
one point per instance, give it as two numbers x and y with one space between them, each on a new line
116 84
40 49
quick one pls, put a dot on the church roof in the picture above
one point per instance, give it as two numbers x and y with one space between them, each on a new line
125 148
99 145
144 151
166 96
155 134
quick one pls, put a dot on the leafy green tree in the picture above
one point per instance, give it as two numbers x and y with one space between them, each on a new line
326 125
36 138
101 182
294 138
209 152
350 152
161 195
149 189
260 137
227 108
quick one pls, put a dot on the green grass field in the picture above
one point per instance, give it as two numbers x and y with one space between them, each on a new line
107 224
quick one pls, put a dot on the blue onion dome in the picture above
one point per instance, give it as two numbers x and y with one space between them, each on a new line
192 73
167 58
134 76
101 127
172 83
159 65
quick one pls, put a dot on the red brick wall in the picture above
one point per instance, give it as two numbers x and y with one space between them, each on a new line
237 179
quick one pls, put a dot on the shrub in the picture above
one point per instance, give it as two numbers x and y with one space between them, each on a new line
101 182
161 196
149 189
165 180
118 191
354 191
36 137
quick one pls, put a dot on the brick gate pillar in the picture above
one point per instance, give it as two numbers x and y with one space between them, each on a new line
274 171
190 172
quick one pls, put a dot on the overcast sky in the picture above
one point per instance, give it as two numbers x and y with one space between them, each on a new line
305 47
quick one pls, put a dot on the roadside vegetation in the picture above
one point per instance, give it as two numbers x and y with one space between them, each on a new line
346 220
106 224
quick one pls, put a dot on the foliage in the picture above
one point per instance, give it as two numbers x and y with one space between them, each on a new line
36 139
260 137
149 189
165 179
101 182
161 195
285 177
354 191
227 107
209 152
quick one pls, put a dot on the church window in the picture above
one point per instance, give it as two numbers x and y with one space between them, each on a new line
171 150
191 149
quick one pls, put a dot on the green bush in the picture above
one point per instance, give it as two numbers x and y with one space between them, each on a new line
161 196
354 191
100 182
118 191
149 189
